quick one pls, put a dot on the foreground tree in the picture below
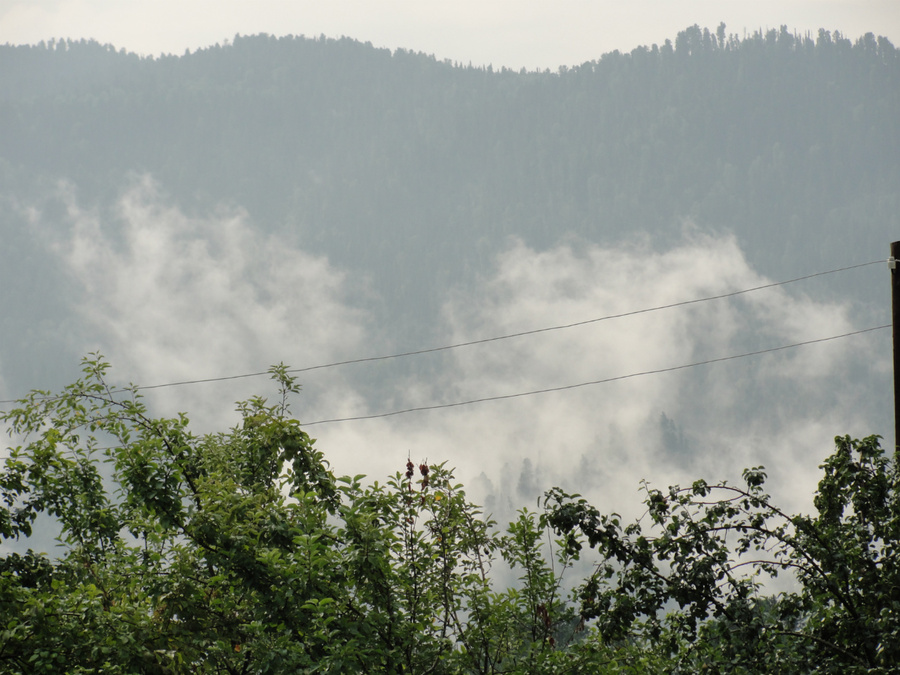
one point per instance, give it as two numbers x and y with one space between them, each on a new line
708 548
241 552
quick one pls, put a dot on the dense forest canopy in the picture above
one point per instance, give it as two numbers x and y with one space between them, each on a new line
412 170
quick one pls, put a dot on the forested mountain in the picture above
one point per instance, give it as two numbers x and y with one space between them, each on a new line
411 174
415 170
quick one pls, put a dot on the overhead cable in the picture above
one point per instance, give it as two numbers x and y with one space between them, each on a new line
578 323
534 392
496 338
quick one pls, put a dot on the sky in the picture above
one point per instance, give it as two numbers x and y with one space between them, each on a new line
512 33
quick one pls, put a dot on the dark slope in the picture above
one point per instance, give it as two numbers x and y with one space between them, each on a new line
415 172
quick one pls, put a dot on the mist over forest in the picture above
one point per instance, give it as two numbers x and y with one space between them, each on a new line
312 200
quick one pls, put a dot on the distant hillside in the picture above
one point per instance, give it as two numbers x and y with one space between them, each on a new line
415 172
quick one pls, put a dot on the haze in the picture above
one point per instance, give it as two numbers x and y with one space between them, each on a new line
309 201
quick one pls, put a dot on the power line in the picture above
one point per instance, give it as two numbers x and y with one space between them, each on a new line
657 371
496 338
580 323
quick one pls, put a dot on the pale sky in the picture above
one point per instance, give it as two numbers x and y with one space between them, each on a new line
512 33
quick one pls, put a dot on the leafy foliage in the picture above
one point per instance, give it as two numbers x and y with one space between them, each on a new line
708 547
241 552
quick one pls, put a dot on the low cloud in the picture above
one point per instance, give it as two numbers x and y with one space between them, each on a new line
167 297
780 409
171 297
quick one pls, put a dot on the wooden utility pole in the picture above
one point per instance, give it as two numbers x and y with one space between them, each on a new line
895 320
